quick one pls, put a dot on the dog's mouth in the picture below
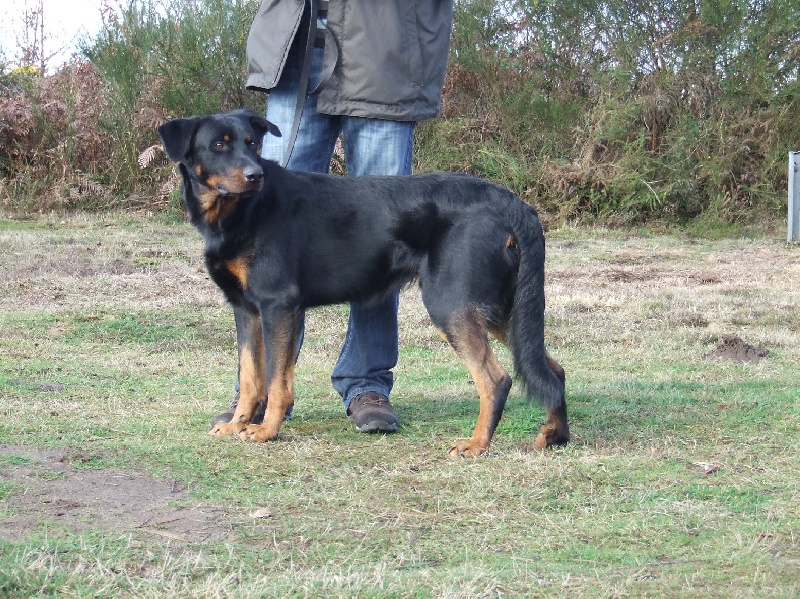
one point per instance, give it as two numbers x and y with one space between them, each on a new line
237 186
247 189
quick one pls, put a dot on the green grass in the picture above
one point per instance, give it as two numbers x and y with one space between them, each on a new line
682 480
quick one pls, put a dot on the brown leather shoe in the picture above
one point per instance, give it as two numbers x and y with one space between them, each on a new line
372 413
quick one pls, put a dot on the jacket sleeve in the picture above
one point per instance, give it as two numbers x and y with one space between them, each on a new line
271 34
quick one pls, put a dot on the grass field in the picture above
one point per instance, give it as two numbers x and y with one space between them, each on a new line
682 358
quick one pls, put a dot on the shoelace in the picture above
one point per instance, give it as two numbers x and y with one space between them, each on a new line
374 401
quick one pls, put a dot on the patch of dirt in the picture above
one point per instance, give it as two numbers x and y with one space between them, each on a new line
48 492
733 348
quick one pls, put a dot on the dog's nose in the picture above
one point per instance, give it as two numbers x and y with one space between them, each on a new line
253 174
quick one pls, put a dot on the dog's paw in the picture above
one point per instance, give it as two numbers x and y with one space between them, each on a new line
549 435
467 449
226 428
539 443
258 432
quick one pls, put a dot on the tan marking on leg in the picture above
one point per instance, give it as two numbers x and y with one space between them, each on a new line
556 368
281 396
281 387
500 334
555 430
251 384
469 339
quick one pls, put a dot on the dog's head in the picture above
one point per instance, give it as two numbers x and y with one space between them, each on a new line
218 156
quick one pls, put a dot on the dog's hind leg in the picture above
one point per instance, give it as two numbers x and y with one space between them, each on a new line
250 340
555 430
467 333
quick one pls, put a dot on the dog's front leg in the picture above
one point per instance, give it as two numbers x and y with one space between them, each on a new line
281 332
252 371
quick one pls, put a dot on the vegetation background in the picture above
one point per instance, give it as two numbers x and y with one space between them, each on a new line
610 111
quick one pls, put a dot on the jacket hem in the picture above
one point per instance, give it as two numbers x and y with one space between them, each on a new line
377 111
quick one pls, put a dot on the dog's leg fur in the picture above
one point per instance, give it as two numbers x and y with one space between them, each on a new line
251 372
281 333
468 336
555 430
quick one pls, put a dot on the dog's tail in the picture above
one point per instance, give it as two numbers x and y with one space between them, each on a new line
541 376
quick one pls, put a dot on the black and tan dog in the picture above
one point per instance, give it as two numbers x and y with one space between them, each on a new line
278 241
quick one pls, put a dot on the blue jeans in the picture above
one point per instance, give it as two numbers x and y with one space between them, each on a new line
371 147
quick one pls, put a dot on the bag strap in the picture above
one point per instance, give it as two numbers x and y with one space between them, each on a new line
329 63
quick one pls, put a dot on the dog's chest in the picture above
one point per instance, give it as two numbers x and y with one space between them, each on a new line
231 273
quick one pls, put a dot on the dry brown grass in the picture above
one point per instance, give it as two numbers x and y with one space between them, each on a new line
678 294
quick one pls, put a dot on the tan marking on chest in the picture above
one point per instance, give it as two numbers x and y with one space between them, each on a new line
212 207
239 267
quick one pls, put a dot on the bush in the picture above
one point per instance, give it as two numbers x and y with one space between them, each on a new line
96 118
623 112
54 153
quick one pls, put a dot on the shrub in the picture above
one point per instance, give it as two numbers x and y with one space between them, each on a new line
54 153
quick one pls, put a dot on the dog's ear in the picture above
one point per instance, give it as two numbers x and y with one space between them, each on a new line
259 123
177 137
263 126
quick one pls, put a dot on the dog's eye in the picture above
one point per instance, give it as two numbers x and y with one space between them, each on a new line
219 145
250 142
